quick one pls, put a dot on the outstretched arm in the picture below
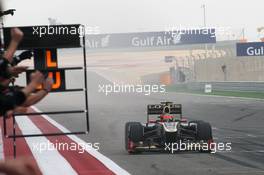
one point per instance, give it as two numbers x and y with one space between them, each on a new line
16 37
20 166
35 98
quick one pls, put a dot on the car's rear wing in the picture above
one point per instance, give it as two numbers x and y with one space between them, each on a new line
164 107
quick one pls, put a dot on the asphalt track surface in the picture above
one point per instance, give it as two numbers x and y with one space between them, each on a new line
237 121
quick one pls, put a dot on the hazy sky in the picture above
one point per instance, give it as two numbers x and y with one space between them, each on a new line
140 15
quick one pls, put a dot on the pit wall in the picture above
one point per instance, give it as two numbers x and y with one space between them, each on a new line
229 69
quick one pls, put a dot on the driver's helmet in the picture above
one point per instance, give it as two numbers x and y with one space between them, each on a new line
166 116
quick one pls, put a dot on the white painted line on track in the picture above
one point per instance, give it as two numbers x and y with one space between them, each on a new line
251 135
103 159
2 155
51 162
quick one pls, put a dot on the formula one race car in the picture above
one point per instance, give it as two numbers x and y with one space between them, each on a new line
170 132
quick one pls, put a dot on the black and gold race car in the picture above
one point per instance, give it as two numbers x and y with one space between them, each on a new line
168 132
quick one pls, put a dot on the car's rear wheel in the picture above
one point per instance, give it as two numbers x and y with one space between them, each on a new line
204 131
133 134
204 134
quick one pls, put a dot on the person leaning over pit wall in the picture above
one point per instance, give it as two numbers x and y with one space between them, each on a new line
20 166
16 100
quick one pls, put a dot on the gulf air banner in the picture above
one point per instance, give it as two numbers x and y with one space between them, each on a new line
150 39
250 49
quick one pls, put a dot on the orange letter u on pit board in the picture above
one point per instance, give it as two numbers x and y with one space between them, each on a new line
57 80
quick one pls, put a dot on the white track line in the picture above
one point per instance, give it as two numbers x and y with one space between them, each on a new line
103 159
51 162
2 155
